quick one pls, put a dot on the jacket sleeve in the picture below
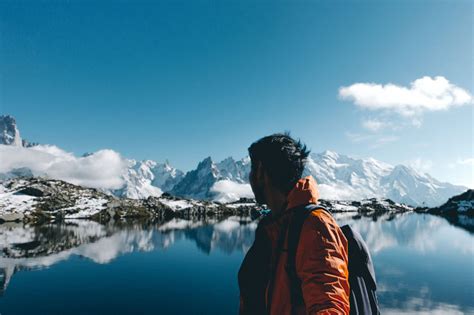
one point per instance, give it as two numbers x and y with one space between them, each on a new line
322 266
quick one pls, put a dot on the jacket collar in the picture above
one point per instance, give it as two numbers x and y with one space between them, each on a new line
304 192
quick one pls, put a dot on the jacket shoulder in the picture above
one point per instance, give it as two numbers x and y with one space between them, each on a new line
321 218
322 265
321 223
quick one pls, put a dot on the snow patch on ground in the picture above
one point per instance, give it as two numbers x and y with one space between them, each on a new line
344 207
177 205
14 206
86 207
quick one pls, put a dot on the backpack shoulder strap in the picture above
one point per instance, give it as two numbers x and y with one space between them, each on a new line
294 232
360 261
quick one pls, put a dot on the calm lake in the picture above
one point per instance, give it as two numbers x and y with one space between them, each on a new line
423 264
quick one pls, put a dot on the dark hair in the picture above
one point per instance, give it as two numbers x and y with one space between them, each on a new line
282 157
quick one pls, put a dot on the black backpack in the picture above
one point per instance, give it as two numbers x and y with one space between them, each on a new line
363 299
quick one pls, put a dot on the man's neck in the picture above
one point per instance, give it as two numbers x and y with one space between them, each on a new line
277 203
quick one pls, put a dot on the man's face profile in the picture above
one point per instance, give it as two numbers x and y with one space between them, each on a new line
257 182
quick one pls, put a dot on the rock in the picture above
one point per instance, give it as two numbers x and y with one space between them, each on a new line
31 191
9 134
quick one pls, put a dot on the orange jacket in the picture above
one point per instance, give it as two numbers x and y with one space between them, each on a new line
321 262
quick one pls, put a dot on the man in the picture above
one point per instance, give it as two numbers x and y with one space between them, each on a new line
277 164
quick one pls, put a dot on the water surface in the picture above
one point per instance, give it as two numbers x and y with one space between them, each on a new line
423 265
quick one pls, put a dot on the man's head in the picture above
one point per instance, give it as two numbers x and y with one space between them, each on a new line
278 162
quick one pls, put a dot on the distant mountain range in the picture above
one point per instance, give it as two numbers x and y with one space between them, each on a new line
339 177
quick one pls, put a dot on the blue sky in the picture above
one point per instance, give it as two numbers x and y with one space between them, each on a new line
184 80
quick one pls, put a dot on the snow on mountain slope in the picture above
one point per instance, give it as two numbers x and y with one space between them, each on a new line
197 183
216 180
166 176
237 171
340 177
147 178
343 177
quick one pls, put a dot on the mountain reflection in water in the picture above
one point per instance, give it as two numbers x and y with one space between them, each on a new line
423 265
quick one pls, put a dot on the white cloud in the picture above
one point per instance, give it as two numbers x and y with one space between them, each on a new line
373 124
416 122
424 94
228 191
374 141
357 137
102 169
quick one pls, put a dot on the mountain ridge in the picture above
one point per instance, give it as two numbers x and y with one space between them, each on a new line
340 177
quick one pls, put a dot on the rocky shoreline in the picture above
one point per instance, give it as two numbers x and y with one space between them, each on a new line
40 200
458 210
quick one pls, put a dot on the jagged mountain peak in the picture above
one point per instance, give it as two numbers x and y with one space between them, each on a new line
228 159
198 183
167 163
406 173
207 167
9 133
330 154
403 169
205 163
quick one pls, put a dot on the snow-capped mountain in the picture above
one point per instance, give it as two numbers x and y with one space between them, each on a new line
406 185
237 171
340 177
199 183
9 133
344 177
148 178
